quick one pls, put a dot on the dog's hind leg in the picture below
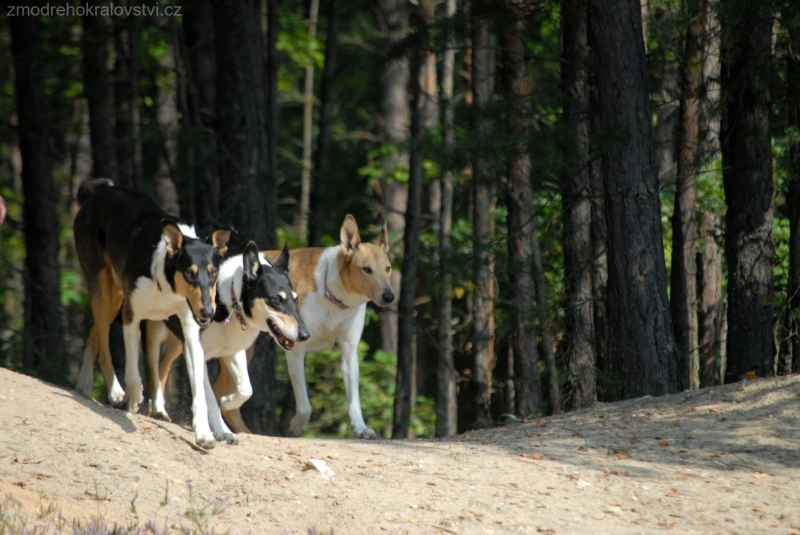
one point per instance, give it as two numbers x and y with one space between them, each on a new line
173 351
295 361
226 386
350 373
237 366
133 380
156 333
90 354
215 421
105 300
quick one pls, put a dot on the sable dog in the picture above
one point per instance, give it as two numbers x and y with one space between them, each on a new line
135 255
335 284
253 296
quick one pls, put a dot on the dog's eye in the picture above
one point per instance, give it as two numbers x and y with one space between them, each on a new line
388 269
367 270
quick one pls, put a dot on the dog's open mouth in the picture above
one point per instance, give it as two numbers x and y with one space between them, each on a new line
284 342
201 322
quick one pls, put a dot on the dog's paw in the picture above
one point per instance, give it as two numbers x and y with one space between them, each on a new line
205 440
230 438
297 425
116 395
163 416
366 434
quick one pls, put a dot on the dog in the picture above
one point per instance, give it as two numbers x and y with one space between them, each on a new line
334 284
136 256
253 296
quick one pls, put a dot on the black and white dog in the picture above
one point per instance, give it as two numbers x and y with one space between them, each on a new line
253 296
136 256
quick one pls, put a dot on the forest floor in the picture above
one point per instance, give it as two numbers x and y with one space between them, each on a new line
721 460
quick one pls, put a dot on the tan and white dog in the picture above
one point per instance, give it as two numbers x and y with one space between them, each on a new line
334 285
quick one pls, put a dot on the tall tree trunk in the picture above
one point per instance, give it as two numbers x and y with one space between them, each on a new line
44 329
404 393
167 116
326 99
482 181
394 114
747 179
521 220
126 101
270 211
243 166
711 306
683 293
446 401
638 311
97 32
201 66
308 126
577 208
790 340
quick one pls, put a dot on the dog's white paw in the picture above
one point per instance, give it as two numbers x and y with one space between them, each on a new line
366 434
205 440
135 397
116 395
163 416
297 426
230 438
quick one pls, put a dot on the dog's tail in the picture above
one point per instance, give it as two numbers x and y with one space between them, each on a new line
90 186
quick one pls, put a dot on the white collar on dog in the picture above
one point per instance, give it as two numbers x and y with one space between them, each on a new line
332 298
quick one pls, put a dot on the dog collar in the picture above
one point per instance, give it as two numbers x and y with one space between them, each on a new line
236 309
332 298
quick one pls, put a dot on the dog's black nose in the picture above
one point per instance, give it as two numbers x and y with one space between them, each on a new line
303 335
207 313
387 296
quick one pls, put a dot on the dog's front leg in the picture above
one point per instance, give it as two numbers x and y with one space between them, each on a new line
237 365
133 381
295 361
218 427
156 333
196 366
350 374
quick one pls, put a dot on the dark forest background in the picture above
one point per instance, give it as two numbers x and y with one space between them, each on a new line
587 199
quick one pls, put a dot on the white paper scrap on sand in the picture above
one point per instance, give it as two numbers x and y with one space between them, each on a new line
320 466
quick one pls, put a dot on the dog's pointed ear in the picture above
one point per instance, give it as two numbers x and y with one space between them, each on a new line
219 240
382 240
282 262
173 236
250 262
349 236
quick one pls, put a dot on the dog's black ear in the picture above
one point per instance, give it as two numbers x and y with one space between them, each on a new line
383 238
219 240
172 235
282 263
349 236
250 262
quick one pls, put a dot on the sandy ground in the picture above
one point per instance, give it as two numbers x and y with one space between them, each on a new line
722 460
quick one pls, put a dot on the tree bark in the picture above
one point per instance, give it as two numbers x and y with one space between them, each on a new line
44 329
747 179
394 114
270 213
326 100
203 184
248 201
640 328
521 221
577 208
308 126
126 101
446 401
482 180
97 32
711 305
683 292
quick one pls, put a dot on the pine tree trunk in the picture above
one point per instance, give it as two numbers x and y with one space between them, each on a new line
683 293
243 167
394 114
711 306
482 181
126 101
446 401
308 126
270 209
577 208
203 183
640 328
521 222
97 31
326 100
43 334
747 179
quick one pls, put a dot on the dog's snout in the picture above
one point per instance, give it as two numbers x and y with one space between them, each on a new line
303 335
207 312
388 296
